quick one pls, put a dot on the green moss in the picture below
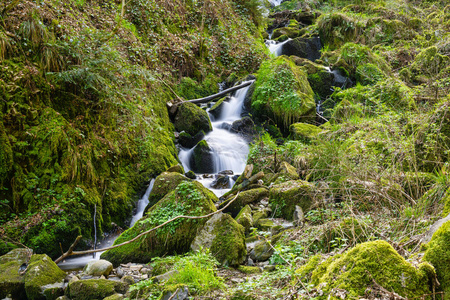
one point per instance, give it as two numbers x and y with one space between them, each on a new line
285 196
283 93
304 132
355 55
336 29
438 254
358 267
92 289
5 247
228 247
6 154
41 271
304 272
11 283
265 224
321 82
429 62
289 32
164 183
250 269
244 218
189 198
244 198
367 74
192 119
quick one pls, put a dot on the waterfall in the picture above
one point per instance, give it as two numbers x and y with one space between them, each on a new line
229 150
275 47
73 263
142 203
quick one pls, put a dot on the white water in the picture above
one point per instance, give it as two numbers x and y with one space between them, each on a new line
275 47
230 150
275 2
142 203
80 261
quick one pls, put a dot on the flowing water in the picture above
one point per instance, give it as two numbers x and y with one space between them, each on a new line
276 47
229 150
74 263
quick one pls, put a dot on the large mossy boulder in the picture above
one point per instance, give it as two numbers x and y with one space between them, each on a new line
308 48
244 198
164 183
189 199
98 268
290 32
224 237
192 119
42 271
11 282
354 273
438 254
92 289
188 141
202 158
282 92
285 196
304 132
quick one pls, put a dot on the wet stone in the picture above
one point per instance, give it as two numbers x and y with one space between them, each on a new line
221 182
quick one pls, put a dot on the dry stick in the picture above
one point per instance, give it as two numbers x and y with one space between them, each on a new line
174 294
71 252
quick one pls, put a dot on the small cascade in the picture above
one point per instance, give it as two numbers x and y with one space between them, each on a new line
74 263
276 47
229 150
142 204
275 2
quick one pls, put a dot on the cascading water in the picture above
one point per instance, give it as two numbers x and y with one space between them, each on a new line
79 262
229 150
276 47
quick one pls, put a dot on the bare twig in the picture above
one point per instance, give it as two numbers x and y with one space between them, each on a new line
70 252
174 294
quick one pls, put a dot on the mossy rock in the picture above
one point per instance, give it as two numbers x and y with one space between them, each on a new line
260 214
188 198
308 48
41 271
290 32
263 249
11 282
304 132
164 184
177 169
245 218
192 119
202 158
188 141
92 289
287 170
285 196
244 198
283 93
265 224
216 110
438 254
321 82
357 268
224 237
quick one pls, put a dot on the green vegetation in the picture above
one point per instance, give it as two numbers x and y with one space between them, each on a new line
194 270
83 93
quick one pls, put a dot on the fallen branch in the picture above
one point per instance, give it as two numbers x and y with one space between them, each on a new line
222 93
70 252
